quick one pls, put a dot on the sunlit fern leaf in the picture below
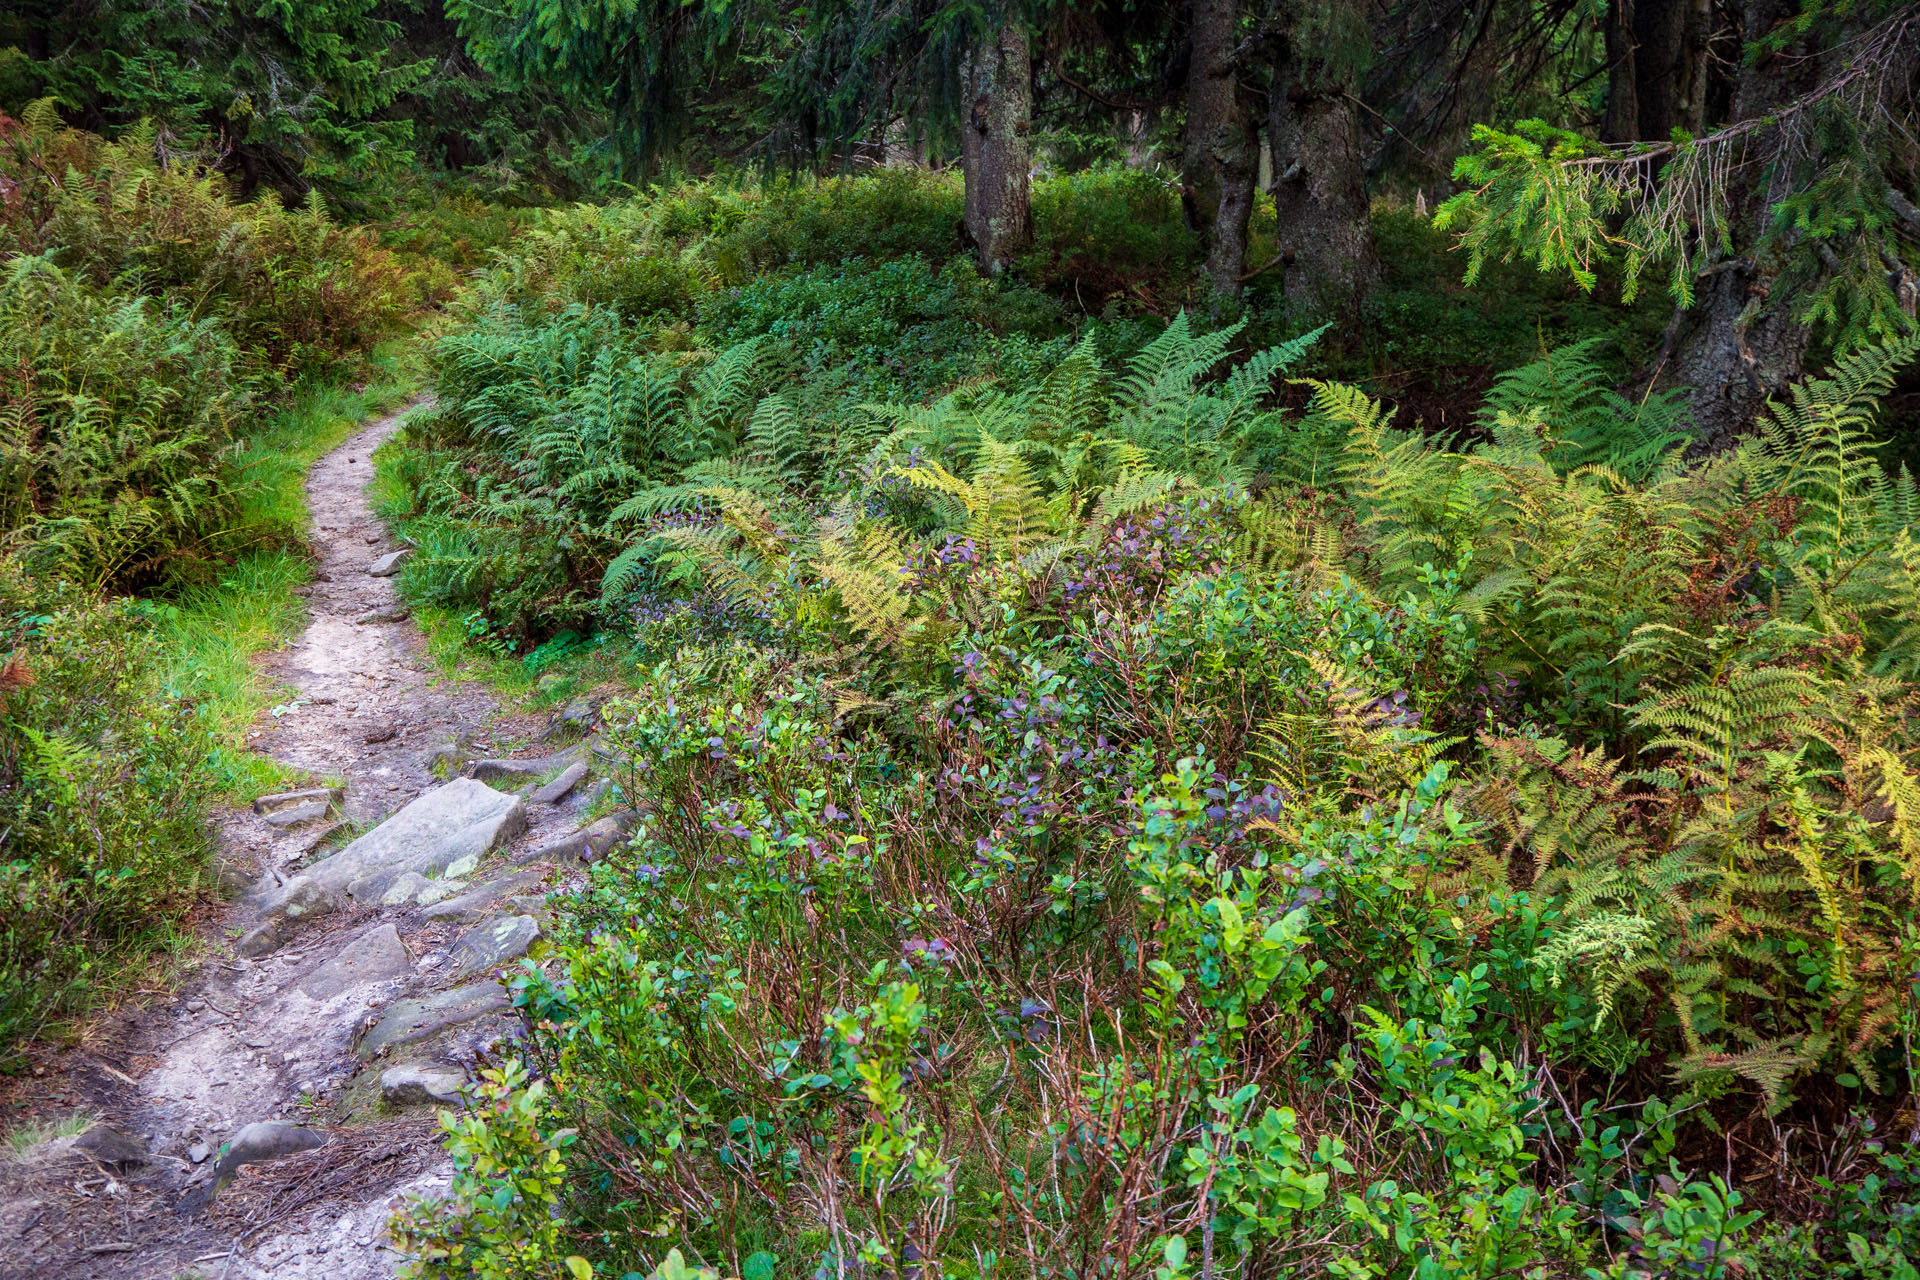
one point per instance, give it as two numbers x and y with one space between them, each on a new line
1133 491
1771 1065
1070 398
864 561
1818 447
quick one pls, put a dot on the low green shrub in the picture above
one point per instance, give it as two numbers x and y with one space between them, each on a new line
1108 822
496 1221
294 290
102 795
1110 233
146 319
115 416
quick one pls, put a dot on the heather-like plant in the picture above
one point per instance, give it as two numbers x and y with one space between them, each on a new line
101 830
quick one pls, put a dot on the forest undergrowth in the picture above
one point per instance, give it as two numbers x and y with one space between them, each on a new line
171 359
1122 794
1115 804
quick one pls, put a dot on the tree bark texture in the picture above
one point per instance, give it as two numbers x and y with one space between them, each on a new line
1319 191
1656 68
1214 112
1739 343
1622 121
1239 166
996 147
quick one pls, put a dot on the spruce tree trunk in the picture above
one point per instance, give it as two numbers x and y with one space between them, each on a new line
1659 64
1622 121
996 147
1213 113
1239 166
1656 68
1691 79
1320 190
1739 343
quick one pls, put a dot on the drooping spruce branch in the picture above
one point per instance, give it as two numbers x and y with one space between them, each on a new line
1567 202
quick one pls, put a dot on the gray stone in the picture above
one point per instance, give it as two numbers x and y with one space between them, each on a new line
445 759
300 815
556 791
198 1153
493 944
110 1146
266 805
309 850
437 890
264 940
299 900
264 1140
505 770
419 1083
229 878
375 956
389 564
411 1021
403 889
535 905
476 903
579 713
392 613
447 830
600 837
589 844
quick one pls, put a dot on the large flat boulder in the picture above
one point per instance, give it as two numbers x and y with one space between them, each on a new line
444 832
488 946
412 1021
477 904
375 956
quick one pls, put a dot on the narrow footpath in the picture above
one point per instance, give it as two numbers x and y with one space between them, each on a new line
264 1124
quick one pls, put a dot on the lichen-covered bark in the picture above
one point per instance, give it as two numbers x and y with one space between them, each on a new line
1319 190
1740 342
1239 166
996 146
1214 112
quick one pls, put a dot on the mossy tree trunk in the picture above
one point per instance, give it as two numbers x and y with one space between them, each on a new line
996 146
1741 341
1319 186
1213 108
1221 157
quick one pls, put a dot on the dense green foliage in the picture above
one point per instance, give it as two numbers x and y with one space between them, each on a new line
143 317
296 93
1167 739
1106 811
104 827
149 326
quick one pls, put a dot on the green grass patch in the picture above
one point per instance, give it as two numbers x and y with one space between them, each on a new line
210 634
21 1141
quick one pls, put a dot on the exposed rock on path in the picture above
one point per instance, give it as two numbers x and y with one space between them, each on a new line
267 1122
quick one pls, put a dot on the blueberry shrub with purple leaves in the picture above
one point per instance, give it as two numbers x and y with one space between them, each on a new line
1109 807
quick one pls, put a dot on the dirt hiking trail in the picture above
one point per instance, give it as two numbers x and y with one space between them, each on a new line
264 1123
